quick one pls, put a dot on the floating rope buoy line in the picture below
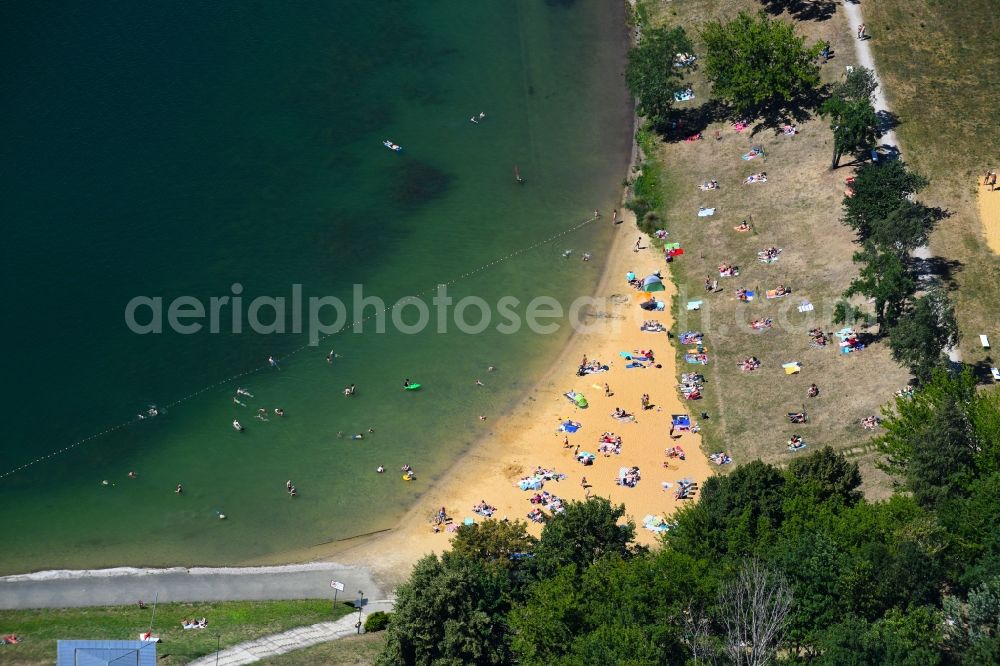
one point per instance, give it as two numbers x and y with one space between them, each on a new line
402 301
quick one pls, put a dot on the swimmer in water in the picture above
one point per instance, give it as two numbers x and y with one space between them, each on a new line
278 411
482 115
273 363
492 368
406 382
482 418
288 485
479 383
379 469
243 391
132 475
371 429
473 120
237 401
262 414
179 489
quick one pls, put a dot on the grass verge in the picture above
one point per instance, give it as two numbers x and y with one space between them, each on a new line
941 68
353 651
229 623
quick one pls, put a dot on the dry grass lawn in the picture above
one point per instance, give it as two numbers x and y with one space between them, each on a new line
798 210
941 68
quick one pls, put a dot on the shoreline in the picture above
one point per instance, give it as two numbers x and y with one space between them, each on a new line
483 474
480 473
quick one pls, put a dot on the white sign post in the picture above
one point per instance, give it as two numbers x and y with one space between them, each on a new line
337 587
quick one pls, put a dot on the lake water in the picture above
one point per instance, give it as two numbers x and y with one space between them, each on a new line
178 149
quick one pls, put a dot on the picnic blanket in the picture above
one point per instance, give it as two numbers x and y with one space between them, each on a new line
694 305
806 306
690 337
773 293
792 368
570 426
681 421
748 296
683 95
696 359
706 212
753 154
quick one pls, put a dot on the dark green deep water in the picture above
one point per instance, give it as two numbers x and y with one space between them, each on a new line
174 148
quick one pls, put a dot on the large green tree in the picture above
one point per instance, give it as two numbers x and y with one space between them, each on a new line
758 64
854 123
879 189
885 278
825 475
923 333
583 533
651 74
451 612
494 542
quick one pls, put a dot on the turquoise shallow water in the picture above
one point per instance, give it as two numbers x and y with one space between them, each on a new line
176 149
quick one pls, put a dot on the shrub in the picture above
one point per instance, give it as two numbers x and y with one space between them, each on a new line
377 621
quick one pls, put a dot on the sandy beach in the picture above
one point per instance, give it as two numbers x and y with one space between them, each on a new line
514 445
989 215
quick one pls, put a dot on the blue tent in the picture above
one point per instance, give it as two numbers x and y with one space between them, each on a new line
106 653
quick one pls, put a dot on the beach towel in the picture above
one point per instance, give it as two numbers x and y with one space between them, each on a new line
696 359
694 305
570 426
533 483
468 521
996 374
706 212
773 293
984 341
792 368
769 260
683 95
750 295
635 365
806 307
680 421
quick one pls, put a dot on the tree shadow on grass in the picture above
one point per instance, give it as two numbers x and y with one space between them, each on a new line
982 370
937 270
684 123
887 120
802 10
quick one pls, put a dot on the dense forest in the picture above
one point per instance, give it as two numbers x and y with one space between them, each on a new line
769 565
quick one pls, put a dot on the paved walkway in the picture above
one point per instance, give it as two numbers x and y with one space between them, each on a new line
293 639
122 586
852 9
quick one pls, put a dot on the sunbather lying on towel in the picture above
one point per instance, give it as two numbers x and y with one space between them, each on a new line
789 130
749 364
741 125
652 326
754 153
743 295
621 415
797 417
769 254
743 226
709 185
725 270
693 137
760 324
675 452
755 178
779 292
795 443
870 422
720 458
